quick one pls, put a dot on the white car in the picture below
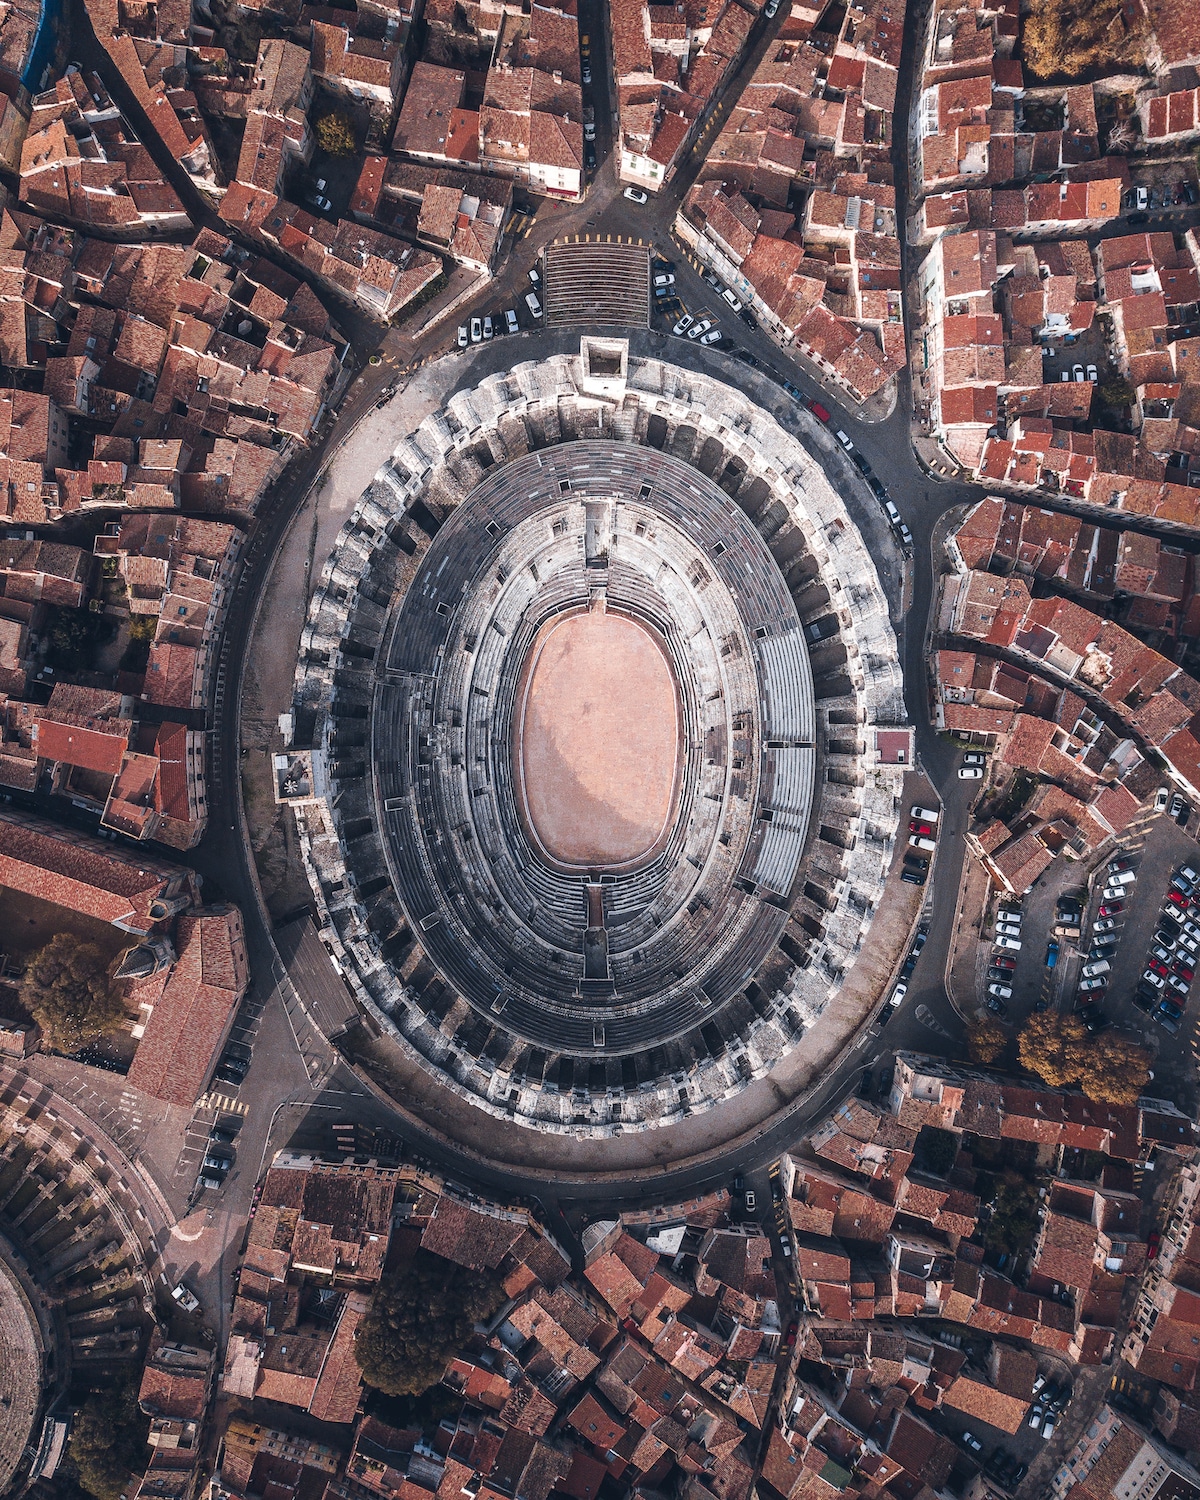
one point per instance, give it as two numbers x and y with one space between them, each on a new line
1086 986
1000 991
770 10
697 329
488 330
1091 375
684 324
1141 196
510 321
1161 798
476 331
187 1300
1010 944
1077 371
1009 929
1048 1426
635 195
1009 914
463 337
1189 944
1154 979
923 814
897 994
727 296
917 842
969 773
589 130
532 303
845 441
534 275
974 758
711 337
663 281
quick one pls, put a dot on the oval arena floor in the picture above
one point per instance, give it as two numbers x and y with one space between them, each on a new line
597 741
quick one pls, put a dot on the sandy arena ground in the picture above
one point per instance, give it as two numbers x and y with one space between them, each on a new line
597 741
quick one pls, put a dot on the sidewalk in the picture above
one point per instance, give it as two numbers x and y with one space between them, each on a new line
963 960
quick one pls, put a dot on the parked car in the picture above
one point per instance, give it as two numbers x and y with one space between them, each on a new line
1161 798
684 324
822 413
971 1441
974 758
697 329
635 195
1156 980
1112 908
1090 986
664 281
187 1300
728 296
913 877
996 1005
476 331
1035 1417
463 337
1001 991
488 330
510 321
970 773
1048 1427
1052 953
924 829
1012 944
1002 961
1091 373
923 814
1180 811
1010 929
532 303
713 336
917 842
844 440
1153 1240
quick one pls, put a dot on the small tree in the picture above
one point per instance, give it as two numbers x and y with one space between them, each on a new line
986 1040
420 1316
66 990
108 1440
336 134
1115 393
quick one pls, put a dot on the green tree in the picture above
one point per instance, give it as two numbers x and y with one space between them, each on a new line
108 1440
420 1316
1060 1051
1115 393
335 134
67 991
986 1040
72 636
936 1150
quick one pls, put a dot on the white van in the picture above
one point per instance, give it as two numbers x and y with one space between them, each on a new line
1126 877
1093 971
919 843
922 814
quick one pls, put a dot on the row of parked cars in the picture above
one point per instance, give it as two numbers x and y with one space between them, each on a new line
1006 942
1119 878
1166 982
1050 1400
896 998
922 841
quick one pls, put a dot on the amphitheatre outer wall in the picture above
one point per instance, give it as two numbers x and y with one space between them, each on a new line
715 409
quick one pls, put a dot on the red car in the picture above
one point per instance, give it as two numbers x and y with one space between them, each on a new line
1184 968
820 412
1156 966
1003 961
1112 908
1152 1245
793 1330
1177 900
922 829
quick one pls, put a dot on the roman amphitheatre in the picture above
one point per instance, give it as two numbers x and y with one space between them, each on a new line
591 688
